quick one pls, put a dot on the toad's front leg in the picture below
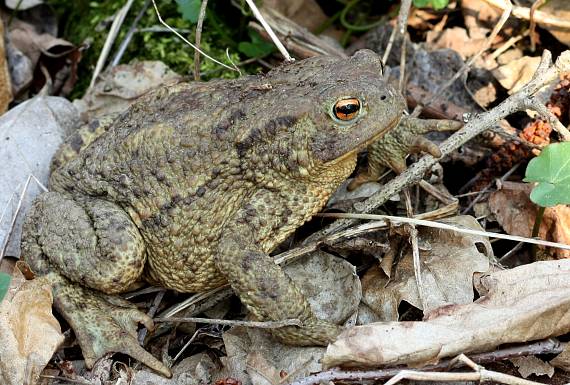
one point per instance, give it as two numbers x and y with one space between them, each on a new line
89 249
268 293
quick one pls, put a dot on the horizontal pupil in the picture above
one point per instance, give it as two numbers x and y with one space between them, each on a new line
348 108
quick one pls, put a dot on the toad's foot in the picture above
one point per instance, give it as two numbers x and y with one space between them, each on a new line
103 324
391 150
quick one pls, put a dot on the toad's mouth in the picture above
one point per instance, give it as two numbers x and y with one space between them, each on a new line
370 140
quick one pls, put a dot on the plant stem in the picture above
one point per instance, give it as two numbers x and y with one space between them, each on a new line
536 228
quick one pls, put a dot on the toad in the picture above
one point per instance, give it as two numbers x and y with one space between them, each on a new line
194 185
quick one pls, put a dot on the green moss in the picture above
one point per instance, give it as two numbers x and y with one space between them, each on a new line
89 22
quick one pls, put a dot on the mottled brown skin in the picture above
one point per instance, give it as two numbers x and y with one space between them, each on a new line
193 186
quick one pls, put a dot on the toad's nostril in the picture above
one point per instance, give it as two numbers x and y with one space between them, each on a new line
383 97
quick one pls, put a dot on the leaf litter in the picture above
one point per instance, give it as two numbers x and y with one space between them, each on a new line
523 304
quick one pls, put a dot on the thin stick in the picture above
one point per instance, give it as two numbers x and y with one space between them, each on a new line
511 252
540 17
234 68
201 18
532 28
14 217
415 250
129 36
249 324
113 32
443 226
400 27
549 346
488 187
269 31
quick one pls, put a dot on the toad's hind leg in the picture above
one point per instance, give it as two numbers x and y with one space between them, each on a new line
89 249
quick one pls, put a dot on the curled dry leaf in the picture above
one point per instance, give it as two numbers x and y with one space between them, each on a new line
528 303
448 262
515 74
516 213
28 330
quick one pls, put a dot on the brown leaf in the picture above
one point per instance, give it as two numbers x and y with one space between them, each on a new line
306 13
561 10
530 302
448 261
5 82
516 213
516 73
28 330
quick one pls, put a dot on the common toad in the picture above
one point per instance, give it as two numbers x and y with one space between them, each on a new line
194 185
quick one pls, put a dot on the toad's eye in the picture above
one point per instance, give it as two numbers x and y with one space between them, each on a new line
346 109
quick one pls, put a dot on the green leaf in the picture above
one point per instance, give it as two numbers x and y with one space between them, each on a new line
552 172
421 3
257 47
190 9
439 4
435 4
4 284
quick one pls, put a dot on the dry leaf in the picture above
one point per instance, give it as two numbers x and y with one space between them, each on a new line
515 74
455 38
306 13
532 365
118 87
516 213
448 262
527 303
28 330
561 10
31 133
562 360
261 371
5 82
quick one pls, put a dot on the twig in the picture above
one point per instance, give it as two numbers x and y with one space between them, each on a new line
177 356
540 17
544 75
201 18
129 36
541 347
249 324
444 226
480 375
113 32
69 380
508 44
174 31
532 26
400 27
151 313
269 31
413 232
488 187
14 216
536 105
511 252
